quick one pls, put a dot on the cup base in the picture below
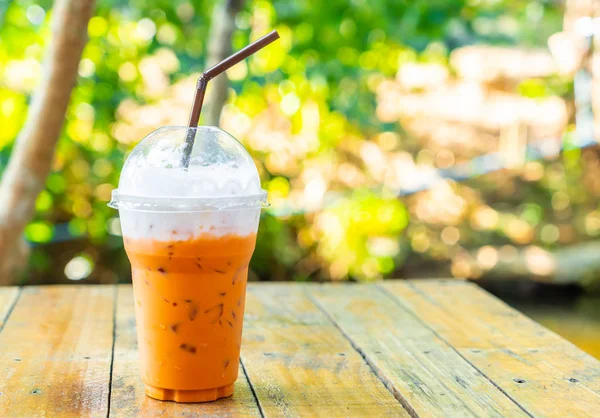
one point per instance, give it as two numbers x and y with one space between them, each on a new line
178 395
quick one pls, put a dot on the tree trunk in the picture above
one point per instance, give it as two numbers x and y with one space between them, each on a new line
31 159
219 48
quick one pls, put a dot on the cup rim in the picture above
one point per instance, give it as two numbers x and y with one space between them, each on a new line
123 201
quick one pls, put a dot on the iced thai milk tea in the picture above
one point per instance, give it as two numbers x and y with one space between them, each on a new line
189 297
189 235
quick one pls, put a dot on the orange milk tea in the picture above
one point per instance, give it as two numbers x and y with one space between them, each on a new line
189 232
189 304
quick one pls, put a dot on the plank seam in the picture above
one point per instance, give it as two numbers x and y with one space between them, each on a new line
260 409
532 322
399 303
114 339
12 307
379 374
514 310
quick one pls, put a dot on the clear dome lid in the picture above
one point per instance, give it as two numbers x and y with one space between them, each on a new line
221 174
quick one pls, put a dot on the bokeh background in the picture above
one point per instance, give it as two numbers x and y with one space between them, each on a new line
396 138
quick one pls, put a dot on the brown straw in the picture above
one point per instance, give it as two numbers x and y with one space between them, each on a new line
210 74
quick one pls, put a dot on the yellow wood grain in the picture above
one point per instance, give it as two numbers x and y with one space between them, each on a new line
127 395
8 297
544 373
301 365
55 352
424 371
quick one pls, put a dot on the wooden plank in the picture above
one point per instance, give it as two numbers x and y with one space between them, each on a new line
127 395
423 371
544 373
56 352
8 297
301 365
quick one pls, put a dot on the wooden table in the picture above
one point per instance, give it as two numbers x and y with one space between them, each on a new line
400 348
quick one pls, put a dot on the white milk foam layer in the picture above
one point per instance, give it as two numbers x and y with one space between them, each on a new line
220 167
197 182
178 226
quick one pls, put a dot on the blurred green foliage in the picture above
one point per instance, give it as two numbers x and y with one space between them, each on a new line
332 55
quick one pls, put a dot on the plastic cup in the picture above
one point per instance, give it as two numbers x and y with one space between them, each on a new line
189 235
